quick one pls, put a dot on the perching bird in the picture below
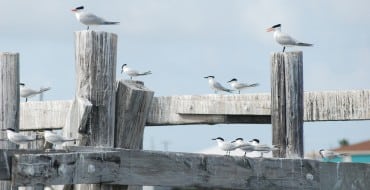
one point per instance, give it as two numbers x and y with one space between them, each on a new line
328 154
216 86
240 86
28 92
18 138
223 145
243 146
262 148
133 73
284 39
56 139
89 18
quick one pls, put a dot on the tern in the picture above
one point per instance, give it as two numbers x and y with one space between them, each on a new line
262 148
89 19
18 138
133 73
328 154
240 86
216 86
284 39
225 146
26 92
243 146
56 139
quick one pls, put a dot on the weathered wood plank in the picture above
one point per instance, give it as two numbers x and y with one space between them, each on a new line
318 106
45 114
278 104
135 167
96 57
9 99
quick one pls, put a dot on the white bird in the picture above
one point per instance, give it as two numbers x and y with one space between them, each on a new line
18 138
240 86
133 73
225 146
284 39
243 146
216 86
56 139
26 92
328 154
89 19
262 148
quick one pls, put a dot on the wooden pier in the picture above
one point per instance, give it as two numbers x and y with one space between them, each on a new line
109 118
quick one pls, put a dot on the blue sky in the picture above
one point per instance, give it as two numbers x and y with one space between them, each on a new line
183 41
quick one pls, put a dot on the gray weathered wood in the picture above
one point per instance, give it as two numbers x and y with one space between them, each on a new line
294 104
9 99
45 114
287 103
318 106
278 104
135 167
132 106
133 100
96 56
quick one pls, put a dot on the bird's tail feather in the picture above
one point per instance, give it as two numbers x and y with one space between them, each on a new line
42 89
304 44
146 73
254 85
106 22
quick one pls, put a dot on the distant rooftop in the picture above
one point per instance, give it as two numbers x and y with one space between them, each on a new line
358 147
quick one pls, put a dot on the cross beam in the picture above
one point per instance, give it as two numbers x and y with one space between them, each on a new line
134 167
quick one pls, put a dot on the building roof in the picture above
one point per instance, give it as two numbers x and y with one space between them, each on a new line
358 147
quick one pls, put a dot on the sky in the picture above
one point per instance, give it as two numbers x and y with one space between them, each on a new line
181 41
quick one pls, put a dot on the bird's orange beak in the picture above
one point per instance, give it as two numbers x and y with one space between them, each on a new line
74 10
269 29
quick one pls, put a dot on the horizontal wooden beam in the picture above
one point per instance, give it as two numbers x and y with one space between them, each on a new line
215 109
135 167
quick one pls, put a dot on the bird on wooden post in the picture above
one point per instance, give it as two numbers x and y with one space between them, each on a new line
18 138
133 73
224 145
216 86
26 92
240 86
285 39
89 19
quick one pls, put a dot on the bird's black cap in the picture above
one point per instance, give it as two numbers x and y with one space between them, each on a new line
79 8
218 138
239 139
22 84
234 79
10 129
210 76
258 141
123 65
276 26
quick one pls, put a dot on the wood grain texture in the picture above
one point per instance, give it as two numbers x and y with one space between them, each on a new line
278 104
133 100
9 100
96 56
135 167
294 104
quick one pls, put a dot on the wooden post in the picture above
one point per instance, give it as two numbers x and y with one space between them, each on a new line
133 101
96 54
9 100
287 103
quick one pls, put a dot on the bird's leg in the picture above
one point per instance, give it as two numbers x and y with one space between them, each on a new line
26 99
131 78
245 154
284 49
239 91
87 27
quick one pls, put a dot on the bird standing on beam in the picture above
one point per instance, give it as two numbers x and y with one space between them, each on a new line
89 19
